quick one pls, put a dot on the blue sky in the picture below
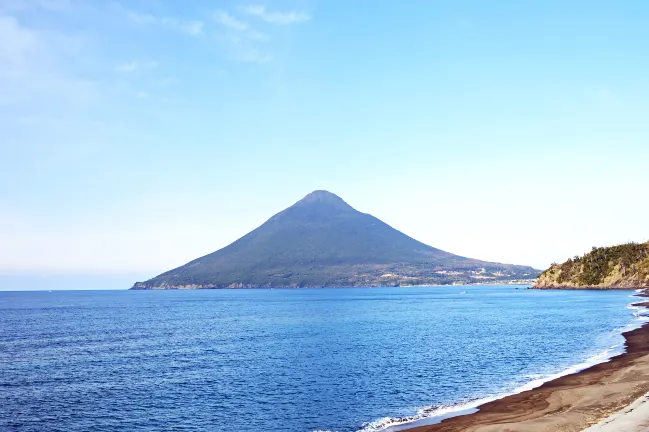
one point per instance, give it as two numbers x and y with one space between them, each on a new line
139 135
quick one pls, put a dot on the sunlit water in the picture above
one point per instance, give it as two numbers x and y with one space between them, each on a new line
286 360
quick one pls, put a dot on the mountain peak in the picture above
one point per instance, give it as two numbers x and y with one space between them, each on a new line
323 197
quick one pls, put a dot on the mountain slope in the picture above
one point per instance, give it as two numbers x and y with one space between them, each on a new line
622 266
322 241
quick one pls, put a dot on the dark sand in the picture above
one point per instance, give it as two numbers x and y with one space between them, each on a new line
570 403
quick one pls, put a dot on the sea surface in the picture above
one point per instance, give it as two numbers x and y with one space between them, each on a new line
344 359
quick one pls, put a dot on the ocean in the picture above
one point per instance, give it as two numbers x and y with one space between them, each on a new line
340 359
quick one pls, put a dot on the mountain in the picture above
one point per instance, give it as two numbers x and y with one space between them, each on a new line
623 266
322 241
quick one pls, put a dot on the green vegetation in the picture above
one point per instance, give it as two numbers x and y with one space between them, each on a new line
322 241
622 266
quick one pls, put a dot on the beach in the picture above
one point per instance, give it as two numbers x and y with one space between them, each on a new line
633 418
607 397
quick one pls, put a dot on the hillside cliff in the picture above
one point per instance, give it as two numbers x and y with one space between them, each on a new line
322 241
622 266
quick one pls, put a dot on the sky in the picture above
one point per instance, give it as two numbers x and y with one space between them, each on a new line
138 135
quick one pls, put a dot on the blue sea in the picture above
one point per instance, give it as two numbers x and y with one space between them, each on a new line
344 359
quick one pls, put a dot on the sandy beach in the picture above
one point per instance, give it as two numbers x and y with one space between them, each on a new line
607 397
633 418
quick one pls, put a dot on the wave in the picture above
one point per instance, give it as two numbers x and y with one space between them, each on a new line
640 313
434 414
429 413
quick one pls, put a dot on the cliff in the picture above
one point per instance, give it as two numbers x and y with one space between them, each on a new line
623 266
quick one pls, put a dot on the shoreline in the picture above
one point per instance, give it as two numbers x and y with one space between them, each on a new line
509 282
570 403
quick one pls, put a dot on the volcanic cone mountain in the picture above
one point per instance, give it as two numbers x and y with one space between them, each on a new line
321 241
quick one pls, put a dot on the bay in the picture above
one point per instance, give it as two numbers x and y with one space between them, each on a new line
339 359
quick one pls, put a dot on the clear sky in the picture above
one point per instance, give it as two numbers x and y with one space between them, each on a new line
138 135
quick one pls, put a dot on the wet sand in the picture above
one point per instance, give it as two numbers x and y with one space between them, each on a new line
570 403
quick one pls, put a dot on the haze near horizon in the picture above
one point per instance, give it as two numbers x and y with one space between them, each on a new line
140 135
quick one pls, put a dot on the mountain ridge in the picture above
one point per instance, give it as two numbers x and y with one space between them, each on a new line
323 241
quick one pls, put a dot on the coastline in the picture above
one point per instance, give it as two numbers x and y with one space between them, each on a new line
570 403
142 286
